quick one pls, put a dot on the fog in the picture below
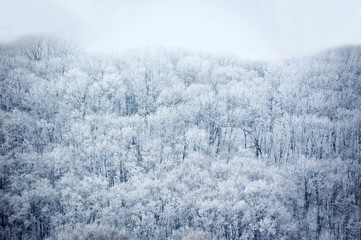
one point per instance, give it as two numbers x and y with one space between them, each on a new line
249 29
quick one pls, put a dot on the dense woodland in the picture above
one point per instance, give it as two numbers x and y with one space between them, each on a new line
172 144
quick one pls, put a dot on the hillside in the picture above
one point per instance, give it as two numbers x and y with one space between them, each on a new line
170 144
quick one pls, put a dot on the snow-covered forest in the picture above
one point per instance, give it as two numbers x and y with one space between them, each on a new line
172 144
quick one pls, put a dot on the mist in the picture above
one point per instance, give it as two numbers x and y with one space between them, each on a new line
249 29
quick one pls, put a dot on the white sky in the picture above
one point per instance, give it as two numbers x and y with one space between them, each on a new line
256 29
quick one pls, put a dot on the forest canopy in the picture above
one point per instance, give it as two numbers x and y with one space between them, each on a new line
172 144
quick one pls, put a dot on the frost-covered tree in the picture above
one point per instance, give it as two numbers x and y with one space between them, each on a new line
163 144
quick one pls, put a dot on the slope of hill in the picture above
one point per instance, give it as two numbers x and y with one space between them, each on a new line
158 144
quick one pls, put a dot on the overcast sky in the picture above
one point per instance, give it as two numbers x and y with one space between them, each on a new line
256 29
